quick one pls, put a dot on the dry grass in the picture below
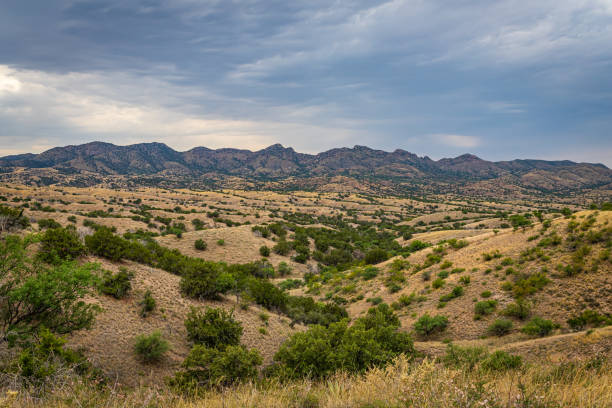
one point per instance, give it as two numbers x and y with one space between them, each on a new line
402 384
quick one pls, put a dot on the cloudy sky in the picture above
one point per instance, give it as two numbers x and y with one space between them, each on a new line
502 79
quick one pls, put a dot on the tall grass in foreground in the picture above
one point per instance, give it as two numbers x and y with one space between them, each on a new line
402 384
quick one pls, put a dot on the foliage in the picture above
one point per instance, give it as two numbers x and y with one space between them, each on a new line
500 327
204 280
11 218
501 361
589 318
539 327
264 251
373 340
376 256
214 328
519 309
427 325
200 245
60 244
48 223
147 304
106 244
151 348
116 285
35 295
485 307
209 367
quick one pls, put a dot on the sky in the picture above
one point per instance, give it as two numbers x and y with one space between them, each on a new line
500 79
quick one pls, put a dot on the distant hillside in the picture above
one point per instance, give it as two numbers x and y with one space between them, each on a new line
277 163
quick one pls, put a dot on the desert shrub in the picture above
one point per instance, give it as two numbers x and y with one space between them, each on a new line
35 294
12 218
204 280
455 293
485 307
282 247
220 242
465 358
457 244
446 264
438 283
264 293
500 327
530 284
465 280
369 272
116 285
501 361
147 304
487 256
283 269
519 309
373 340
427 325
59 244
264 251
486 294
214 328
376 256
589 318
106 244
539 327
209 367
42 358
49 223
151 348
303 309
198 224
200 245
72 219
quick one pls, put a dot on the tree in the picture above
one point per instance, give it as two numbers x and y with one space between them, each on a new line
213 328
106 244
59 244
34 295
427 325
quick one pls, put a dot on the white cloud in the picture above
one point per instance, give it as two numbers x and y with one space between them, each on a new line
43 109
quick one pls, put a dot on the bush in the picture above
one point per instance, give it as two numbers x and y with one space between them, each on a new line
151 348
589 318
48 223
485 307
117 285
500 327
214 328
283 269
501 361
264 251
106 244
59 244
221 242
455 293
147 304
35 294
282 248
373 340
200 245
376 256
438 283
12 218
204 280
465 358
209 367
427 325
539 327
519 309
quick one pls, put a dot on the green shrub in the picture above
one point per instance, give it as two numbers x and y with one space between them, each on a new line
147 304
455 293
59 244
106 244
283 269
438 283
151 348
372 340
264 251
427 325
214 328
12 218
48 223
209 367
500 327
485 307
519 309
376 256
465 358
539 327
221 242
204 280
116 285
501 361
589 318
200 245
486 294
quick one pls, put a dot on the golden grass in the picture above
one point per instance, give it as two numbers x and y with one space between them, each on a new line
402 384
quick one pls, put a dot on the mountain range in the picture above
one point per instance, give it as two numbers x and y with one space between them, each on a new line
278 164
